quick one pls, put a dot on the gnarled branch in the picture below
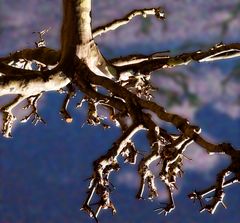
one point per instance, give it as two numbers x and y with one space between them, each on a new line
123 87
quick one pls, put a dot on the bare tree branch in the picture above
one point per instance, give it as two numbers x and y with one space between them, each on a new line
102 168
70 94
8 117
122 86
158 12
156 61
44 55
32 102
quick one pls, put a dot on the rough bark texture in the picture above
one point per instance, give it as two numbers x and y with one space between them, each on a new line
122 85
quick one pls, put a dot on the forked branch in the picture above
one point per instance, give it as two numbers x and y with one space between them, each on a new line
123 87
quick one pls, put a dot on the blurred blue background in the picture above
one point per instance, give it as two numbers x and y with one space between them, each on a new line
43 169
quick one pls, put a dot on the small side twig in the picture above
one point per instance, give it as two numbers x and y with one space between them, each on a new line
8 117
32 102
70 94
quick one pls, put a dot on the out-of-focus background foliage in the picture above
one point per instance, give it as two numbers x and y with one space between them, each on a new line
43 169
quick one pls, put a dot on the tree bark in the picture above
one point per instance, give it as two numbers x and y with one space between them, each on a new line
77 39
79 65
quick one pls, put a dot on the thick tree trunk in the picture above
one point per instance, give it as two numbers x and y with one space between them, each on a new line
87 48
77 39
83 13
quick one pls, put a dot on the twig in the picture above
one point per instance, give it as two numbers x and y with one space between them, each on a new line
8 117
